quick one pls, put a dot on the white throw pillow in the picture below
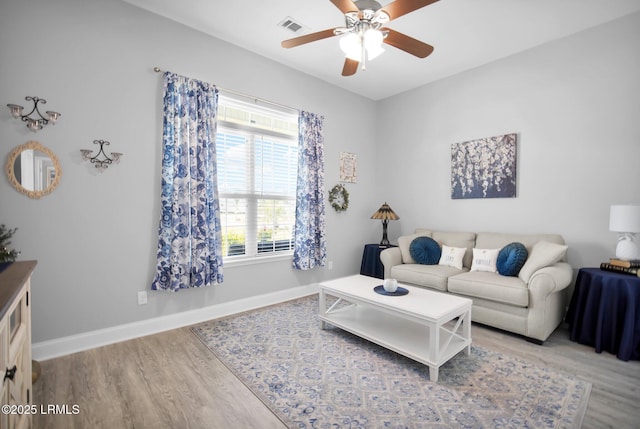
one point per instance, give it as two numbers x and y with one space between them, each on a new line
543 254
452 256
485 260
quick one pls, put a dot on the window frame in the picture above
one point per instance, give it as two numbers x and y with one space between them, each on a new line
254 134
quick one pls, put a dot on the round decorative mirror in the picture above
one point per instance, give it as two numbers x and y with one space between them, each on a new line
34 170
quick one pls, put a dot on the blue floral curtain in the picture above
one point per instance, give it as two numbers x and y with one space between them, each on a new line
310 248
190 239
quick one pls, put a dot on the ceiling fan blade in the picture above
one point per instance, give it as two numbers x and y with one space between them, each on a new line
407 44
307 38
403 7
345 5
350 67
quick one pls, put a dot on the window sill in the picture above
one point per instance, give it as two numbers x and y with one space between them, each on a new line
231 263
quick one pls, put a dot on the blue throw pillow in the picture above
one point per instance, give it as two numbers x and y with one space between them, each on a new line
425 250
511 259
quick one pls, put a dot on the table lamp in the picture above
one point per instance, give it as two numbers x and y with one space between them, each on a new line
625 220
385 214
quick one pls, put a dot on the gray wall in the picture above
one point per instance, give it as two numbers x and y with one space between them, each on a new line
575 104
95 237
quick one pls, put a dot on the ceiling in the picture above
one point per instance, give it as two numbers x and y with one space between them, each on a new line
465 34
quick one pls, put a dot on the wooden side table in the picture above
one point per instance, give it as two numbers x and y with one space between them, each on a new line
371 265
605 312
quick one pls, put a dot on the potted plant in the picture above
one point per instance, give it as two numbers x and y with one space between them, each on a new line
7 255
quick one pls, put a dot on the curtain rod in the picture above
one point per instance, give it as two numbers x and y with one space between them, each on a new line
255 99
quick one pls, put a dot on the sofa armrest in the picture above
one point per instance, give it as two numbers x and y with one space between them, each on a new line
551 279
390 257
547 299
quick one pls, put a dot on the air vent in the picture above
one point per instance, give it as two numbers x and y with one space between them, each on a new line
291 25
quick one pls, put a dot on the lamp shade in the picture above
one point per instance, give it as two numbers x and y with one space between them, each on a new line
624 218
351 45
373 43
385 213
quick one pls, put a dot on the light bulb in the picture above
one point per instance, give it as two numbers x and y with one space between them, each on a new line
351 46
372 38
373 43
374 51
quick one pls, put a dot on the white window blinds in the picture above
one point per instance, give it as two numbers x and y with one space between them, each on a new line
257 171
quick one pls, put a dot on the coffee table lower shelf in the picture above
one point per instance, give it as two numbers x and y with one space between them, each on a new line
403 335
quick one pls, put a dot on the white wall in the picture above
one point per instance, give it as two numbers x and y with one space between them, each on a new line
575 104
95 237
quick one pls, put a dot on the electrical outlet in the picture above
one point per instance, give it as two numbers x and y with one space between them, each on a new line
142 297
330 265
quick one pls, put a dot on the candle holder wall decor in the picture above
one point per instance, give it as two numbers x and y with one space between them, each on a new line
101 159
34 123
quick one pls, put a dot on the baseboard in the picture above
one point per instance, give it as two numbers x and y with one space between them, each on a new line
88 340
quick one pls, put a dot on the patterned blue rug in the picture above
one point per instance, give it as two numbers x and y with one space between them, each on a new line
313 378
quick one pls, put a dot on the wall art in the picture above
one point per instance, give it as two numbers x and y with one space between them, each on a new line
484 168
348 167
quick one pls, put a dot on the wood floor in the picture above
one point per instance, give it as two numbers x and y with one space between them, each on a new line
171 380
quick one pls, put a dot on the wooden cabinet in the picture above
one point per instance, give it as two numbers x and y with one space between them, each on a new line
15 345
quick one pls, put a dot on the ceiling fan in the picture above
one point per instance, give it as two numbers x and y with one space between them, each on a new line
364 31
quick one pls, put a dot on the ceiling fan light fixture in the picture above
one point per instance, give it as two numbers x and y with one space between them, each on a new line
374 52
351 45
373 43
364 32
373 38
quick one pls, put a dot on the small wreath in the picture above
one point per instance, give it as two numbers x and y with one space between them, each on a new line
339 198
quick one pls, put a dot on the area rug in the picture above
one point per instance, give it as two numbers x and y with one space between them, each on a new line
314 378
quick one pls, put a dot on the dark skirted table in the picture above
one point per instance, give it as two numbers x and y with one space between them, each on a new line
605 312
371 265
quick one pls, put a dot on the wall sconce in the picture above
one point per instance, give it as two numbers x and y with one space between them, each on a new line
35 123
386 214
101 159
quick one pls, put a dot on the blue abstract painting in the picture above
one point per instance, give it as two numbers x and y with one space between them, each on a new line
484 168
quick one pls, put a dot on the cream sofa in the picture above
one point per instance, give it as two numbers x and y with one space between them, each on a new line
531 304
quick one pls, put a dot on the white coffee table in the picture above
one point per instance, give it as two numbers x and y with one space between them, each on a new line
412 325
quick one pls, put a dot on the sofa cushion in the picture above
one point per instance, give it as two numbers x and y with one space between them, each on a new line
425 250
431 276
459 239
543 254
405 241
485 260
490 286
497 240
452 256
511 259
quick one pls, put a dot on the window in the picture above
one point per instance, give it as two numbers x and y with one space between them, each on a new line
257 153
